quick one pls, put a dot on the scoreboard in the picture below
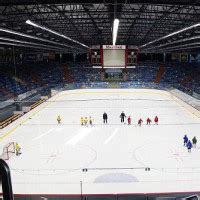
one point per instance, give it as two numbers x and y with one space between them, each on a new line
117 56
114 56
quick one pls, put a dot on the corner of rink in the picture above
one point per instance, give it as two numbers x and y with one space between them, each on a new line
189 103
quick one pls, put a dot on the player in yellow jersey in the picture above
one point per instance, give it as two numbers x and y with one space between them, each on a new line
17 149
82 121
86 121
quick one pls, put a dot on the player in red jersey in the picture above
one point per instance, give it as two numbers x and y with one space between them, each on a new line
140 122
129 120
156 120
148 121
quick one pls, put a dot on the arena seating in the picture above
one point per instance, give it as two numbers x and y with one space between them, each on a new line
183 76
82 72
142 74
12 86
30 77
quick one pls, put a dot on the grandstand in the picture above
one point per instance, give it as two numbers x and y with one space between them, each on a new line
63 60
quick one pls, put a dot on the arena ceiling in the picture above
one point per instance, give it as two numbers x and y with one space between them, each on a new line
90 22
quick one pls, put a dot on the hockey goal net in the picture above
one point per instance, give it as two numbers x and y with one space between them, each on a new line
8 151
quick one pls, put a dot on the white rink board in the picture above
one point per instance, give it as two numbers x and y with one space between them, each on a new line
53 155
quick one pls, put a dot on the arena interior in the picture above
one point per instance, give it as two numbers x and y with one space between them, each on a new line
100 100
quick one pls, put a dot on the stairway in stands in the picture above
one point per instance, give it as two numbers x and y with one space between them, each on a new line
66 73
160 73
36 78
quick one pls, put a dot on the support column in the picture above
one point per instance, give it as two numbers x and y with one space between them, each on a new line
102 74
125 76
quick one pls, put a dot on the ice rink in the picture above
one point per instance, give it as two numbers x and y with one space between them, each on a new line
115 155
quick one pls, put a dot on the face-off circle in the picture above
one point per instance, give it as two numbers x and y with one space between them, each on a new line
54 159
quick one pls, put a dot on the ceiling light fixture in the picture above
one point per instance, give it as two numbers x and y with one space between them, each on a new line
34 37
115 30
171 34
54 32
25 42
29 46
184 45
174 42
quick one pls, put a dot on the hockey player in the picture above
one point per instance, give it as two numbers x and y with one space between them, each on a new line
189 145
105 118
185 140
129 120
148 121
85 121
17 149
194 141
156 120
59 119
122 116
140 122
82 121
90 121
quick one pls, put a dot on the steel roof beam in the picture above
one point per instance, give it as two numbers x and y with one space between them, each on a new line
33 2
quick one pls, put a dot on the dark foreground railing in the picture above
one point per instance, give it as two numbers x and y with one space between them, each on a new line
5 179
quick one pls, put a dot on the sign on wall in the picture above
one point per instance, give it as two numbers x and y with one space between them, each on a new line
175 56
114 46
183 57
195 57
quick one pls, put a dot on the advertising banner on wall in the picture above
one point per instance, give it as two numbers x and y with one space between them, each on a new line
175 56
195 57
51 56
36 57
183 57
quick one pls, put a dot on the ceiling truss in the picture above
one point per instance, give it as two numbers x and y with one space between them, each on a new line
141 21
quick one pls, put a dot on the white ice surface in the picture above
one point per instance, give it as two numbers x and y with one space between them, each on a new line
115 154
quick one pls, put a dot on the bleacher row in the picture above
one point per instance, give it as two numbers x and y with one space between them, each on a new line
28 77
31 76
